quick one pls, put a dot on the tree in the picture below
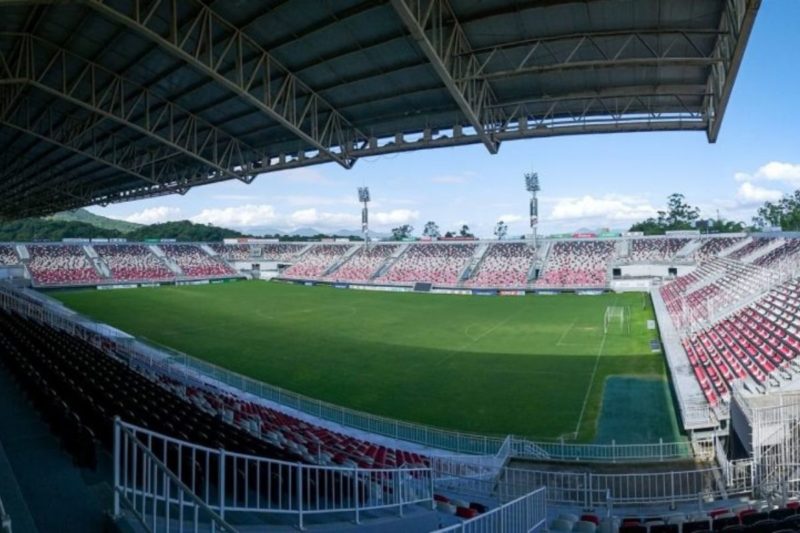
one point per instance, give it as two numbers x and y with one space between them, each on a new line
678 216
464 232
449 235
500 230
431 230
402 232
785 213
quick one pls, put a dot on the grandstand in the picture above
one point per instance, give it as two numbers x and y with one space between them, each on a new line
577 264
440 264
112 101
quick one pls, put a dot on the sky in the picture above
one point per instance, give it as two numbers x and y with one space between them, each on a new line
587 181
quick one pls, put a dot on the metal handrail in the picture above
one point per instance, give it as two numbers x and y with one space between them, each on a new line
309 489
120 492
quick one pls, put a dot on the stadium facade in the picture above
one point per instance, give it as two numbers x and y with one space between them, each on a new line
725 307
112 100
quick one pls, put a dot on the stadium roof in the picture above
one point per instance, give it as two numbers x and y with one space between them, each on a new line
110 100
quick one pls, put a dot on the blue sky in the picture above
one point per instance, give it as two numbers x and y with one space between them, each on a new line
587 181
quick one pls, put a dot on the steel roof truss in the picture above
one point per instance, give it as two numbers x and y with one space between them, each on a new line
224 53
135 107
441 38
587 52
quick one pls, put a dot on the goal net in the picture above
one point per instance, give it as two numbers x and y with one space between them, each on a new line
616 320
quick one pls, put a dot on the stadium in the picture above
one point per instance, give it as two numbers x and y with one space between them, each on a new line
587 381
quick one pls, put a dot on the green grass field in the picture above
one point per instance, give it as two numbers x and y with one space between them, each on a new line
534 366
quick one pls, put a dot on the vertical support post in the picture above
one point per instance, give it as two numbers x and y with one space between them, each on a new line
672 489
300 497
221 483
356 494
432 482
398 490
117 466
586 490
613 450
661 448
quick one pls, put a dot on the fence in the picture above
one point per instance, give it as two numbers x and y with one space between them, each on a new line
526 513
588 489
432 437
39 308
161 479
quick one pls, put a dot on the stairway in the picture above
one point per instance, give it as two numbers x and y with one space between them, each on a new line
728 251
172 265
391 260
474 263
342 260
688 249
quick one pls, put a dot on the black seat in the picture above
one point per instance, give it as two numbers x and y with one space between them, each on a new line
696 526
724 522
752 518
780 514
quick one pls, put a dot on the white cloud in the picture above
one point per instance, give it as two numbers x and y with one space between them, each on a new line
395 216
752 194
510 219
153 215
608 207
241 216
788 173
312 217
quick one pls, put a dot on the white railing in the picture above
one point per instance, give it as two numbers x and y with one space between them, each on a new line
158 476
458 442
157 498
526 513
184 366
587 490
5 520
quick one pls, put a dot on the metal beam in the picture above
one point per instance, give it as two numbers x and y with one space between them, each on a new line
736 24
592 50
86 84
435 28
224 53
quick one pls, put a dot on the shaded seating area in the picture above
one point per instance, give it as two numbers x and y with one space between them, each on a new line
195 263
61 264
133 262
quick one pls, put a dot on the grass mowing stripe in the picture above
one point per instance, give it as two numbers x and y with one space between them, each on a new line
525 372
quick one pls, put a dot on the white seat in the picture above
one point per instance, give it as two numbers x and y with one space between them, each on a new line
561 525
584 526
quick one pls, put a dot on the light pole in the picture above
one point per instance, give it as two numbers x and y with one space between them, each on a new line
532 186
363 197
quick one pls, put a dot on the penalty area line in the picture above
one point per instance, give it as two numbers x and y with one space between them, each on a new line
591 384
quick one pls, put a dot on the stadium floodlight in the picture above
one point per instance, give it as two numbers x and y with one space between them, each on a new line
363 197
532 181
532 186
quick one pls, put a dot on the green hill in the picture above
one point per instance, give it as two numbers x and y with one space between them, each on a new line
82 215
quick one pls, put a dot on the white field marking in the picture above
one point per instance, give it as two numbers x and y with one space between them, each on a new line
591 383
561 338
476 339
591 380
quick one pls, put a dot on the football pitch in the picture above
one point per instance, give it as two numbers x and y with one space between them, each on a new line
537 366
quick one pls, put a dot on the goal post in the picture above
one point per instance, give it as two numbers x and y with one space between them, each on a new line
616 320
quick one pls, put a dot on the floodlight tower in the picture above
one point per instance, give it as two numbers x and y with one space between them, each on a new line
363 197
532 186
